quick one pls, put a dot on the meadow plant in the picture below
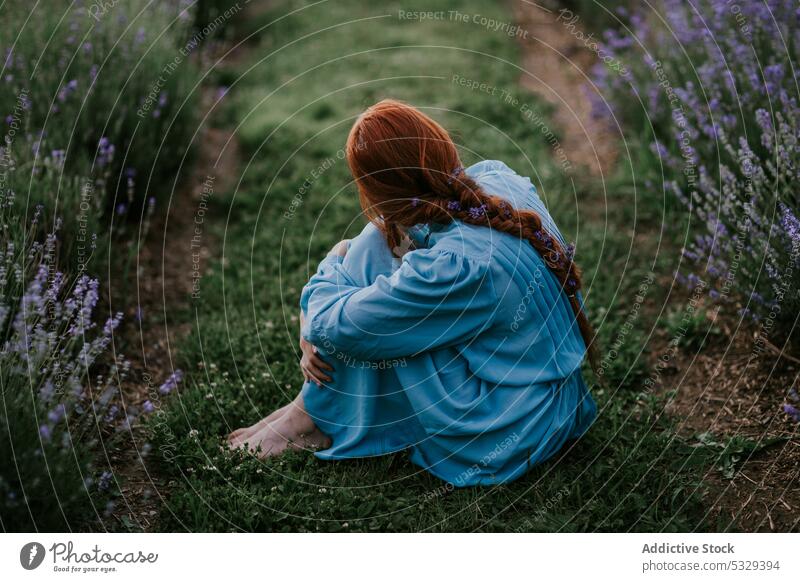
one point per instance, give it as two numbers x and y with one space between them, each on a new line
60 388
718 106
98 101
109 95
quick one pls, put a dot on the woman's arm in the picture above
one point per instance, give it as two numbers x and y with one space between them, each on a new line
314 368
436 298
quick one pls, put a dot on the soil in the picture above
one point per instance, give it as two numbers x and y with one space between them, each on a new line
160 289
557 65
731 389
158 299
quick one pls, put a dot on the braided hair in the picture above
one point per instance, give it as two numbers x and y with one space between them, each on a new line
408 172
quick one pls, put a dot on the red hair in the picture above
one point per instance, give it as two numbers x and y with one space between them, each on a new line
408 172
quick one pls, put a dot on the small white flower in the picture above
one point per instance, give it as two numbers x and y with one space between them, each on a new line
193 433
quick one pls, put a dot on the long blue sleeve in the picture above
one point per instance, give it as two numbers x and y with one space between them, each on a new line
435 299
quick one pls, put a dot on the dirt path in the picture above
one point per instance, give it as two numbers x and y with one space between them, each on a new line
158 296
159 292
557 65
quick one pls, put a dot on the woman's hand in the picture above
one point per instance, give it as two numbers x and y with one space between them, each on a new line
340 248
312 365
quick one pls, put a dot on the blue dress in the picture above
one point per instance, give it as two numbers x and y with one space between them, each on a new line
465 352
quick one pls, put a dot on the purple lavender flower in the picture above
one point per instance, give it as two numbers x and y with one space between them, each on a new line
104 481
57 414
454 174
148 407
477 212
728 145
454 205
791 225
58 157
171 382
793 412
105 152
111 415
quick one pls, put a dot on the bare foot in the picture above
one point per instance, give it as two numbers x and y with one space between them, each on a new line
294 429
237 437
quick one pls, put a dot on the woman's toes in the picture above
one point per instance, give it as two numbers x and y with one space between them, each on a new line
235 434
237 437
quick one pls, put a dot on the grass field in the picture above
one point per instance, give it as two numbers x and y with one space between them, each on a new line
291 102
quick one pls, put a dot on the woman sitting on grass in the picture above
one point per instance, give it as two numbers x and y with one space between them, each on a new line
451 327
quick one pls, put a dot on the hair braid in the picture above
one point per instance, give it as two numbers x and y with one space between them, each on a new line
475 206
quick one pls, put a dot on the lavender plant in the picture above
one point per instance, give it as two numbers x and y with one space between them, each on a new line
718 103
59 387
106 90
97 103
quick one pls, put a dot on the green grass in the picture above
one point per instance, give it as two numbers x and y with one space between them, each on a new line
292 103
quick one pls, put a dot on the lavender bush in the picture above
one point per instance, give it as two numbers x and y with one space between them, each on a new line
60 390
105 91
97 104
718 105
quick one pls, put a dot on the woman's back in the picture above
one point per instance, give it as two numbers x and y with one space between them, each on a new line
533 336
